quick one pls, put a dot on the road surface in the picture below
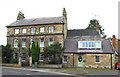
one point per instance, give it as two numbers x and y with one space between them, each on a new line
24 72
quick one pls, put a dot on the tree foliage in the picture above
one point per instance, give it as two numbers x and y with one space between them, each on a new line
95 24
53 49
7 53
35 51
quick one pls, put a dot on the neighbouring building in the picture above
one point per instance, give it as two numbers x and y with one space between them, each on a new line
45 31
85 48
116 47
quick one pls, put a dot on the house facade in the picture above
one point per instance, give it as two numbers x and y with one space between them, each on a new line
45 31
85 48
82 47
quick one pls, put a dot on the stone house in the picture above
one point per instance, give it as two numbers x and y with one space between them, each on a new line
85 48
116 47
45 31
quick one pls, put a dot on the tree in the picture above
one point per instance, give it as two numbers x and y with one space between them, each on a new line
7 53
54 49
34 52
95 24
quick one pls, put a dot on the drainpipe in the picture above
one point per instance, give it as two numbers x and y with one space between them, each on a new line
73 59
111 61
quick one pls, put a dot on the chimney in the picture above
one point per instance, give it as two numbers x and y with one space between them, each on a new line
114 41
20 16
64 13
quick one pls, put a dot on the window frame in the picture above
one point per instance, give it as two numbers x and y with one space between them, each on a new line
42 29
97 59
51 29
24 43
15 45
89 44
16 31
49 41
24 32
42 43
31 30
41 57
65 59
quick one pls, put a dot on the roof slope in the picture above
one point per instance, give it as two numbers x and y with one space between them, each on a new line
36 21
82 32
71 45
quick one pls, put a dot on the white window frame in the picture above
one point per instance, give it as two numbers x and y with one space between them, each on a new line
33 30
16 31
24 30
42 42
89 44
50 29
42 29
49 41
97 59
41 58
15 43
23 43
65 59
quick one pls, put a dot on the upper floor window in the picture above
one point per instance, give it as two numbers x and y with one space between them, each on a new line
51 29
32 30
16 31
41 42
23 42
42 30
89 44
24 31
15 43
50 41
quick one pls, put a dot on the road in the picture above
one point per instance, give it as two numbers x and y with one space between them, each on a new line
24 72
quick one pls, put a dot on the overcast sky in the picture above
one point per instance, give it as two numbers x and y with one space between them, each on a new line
79 13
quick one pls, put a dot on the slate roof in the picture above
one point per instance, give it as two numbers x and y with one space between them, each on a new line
71 46
82 32
36 21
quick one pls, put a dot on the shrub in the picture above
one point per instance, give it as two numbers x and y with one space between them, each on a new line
13 61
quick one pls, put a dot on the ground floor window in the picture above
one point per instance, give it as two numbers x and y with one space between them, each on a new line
50 57
64 59
15 55
41 57
97 59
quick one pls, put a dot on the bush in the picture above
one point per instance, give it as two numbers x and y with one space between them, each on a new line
5 60
25 63
13 61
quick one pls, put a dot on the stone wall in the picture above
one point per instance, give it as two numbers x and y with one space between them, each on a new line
89 60
58 28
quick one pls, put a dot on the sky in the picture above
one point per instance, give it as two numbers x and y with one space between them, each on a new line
79 13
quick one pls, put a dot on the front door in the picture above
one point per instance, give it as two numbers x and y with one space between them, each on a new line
80 61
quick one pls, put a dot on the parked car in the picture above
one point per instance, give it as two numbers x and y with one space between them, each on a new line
117 65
